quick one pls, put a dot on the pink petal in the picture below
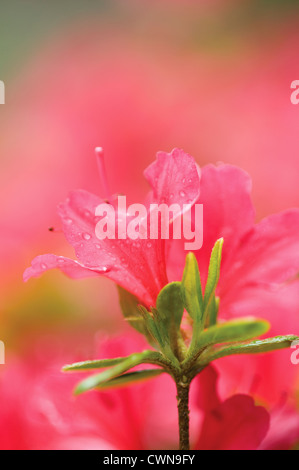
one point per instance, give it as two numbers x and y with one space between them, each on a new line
138 266
284 429
236 424
71 268
228 211
174 178
269 254
207 395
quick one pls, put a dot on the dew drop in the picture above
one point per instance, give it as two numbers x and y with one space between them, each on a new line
43 266
68 221
104 269
86 236
149 245
182 194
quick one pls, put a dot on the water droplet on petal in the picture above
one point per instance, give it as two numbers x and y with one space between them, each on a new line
104 269
86 236
68 221
149 245
43 266
60 260
182 194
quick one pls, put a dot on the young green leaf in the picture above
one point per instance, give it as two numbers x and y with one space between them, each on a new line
157 336
191 288
131 378
212 313
129 306
214 273
241 329
209 305
170 304
129 362
254 347
90 365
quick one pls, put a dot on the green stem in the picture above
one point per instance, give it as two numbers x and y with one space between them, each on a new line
183 388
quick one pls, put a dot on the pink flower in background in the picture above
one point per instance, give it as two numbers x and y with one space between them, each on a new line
128 418
139 266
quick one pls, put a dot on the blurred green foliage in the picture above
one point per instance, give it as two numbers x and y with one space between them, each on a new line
24 25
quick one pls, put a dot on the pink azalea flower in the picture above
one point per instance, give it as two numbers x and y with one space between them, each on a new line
138 266
259 263
127 418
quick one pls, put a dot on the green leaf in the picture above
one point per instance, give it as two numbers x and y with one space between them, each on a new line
160 333
89 365
212 314
209 306
155 333
129 306
214 273
235 330
254 347
170 304
131 378
191 288
93 381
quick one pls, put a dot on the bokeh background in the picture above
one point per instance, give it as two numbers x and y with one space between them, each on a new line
211 77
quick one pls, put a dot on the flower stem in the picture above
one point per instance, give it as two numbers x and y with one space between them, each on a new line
183 388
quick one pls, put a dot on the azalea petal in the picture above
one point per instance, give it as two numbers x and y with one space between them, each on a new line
174 178
228 211
236 424
207 396
71 268
269 254
284 429
136 265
